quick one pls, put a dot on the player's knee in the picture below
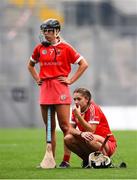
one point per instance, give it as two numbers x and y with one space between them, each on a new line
65 129
68 139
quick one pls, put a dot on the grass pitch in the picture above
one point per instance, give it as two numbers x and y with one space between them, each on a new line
21 150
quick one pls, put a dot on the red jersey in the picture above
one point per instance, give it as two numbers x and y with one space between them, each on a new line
55 60
94 115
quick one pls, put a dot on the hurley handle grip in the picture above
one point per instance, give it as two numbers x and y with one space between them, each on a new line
49 124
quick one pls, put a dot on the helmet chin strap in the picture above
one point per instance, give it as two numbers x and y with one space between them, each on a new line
56 33
46 43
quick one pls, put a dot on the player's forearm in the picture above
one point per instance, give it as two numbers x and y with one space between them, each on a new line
88 136
74 132
33 72
87 127
84 124
82 67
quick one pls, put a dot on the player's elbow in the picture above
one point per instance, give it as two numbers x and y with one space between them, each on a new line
30 65
83 63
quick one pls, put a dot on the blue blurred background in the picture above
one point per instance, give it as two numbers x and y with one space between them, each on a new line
103 31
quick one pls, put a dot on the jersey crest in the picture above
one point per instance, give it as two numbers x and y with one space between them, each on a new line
44 51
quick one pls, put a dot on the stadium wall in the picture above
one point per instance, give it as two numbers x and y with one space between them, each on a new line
120 118
112 72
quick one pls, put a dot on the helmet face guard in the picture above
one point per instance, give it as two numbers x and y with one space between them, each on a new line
43 40
48 26
99 160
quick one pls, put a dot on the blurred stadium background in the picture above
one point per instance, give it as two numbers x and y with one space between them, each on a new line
103 31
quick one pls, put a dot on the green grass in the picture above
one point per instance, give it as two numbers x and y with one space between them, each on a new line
21 150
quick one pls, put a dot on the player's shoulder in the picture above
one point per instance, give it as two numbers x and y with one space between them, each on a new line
66 44
38 45
92 103
93 106
96 107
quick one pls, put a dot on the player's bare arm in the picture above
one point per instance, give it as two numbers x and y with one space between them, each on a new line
83 65
35 75
88 136
88 127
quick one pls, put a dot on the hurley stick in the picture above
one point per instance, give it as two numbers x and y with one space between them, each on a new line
48 160
105 141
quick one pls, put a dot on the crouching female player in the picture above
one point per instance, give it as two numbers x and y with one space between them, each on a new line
92 129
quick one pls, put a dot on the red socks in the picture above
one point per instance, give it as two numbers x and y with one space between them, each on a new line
66 158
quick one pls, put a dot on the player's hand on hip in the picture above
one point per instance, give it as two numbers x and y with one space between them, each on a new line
64 79
39 82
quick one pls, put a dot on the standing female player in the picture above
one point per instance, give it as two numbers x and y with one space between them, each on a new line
55 58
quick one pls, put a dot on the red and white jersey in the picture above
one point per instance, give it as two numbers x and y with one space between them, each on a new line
55 60
94 115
